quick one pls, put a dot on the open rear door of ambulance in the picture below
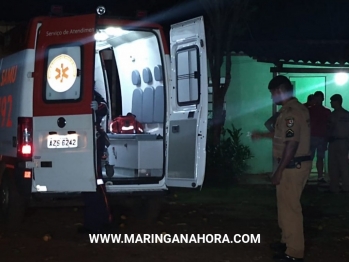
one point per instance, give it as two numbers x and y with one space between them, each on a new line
63 130
188 94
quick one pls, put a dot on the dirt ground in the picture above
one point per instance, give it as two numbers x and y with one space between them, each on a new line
243 209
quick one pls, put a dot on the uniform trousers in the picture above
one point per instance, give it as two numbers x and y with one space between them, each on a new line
338 164
290 217
97 213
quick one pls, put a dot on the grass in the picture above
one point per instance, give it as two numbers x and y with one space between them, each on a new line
216 195
259 202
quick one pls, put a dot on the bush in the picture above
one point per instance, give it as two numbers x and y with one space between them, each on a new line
228 159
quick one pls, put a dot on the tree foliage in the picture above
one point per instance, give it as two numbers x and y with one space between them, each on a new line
225 19
227 159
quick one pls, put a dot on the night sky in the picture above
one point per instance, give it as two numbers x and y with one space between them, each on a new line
273 19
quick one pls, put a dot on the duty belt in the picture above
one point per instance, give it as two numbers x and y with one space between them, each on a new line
296 161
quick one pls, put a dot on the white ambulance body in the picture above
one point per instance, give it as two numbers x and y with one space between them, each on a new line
47 133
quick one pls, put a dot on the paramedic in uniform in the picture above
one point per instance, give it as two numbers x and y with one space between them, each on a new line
291 146
338 145
97 216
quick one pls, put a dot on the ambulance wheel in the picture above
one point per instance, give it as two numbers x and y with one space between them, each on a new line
11 203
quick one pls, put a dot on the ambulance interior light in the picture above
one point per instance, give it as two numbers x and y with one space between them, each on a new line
114 31
110 32
101 36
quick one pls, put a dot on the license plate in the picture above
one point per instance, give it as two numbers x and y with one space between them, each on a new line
59 141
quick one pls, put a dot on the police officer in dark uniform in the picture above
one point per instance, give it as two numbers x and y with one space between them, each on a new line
97 216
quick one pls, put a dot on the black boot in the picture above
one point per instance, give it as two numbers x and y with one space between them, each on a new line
286 258
278 247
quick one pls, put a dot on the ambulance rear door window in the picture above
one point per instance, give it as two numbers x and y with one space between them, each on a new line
63 81
188 76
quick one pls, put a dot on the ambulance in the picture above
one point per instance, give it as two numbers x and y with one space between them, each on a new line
48 73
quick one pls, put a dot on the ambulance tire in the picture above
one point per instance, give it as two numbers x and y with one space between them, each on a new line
12 205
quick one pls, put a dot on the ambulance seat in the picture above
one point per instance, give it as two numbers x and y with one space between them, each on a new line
137 95
137 102
148 98
158 73
159 105
148 105
147 76
136 78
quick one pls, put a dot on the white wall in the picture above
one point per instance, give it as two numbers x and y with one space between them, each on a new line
136 55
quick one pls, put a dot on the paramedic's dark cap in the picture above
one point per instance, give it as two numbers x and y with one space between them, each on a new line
336 97
278 81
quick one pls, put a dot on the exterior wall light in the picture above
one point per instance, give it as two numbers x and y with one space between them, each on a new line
341 78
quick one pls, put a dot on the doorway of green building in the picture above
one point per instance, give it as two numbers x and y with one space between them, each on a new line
303 87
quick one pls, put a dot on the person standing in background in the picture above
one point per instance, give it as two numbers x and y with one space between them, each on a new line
319 119
338 145
310 101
